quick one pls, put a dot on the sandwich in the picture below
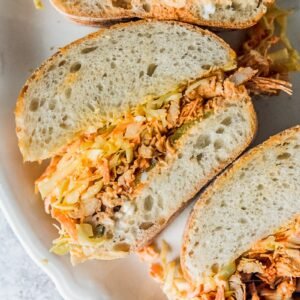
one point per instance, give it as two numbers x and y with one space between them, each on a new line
216 13
135 119
242 238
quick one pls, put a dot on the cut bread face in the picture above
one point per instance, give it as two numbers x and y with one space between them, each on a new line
102 74
249 202
225 14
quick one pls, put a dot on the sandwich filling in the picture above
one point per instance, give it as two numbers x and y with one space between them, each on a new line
90 187
270 270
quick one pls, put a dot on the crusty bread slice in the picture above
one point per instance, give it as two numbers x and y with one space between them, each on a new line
229 14
251 200
205 149
102 74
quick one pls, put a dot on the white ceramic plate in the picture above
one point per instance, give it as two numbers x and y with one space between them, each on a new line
27 37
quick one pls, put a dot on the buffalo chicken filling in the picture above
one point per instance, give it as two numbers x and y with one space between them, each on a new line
92 183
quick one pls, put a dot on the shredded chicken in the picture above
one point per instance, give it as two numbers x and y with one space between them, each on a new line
270 54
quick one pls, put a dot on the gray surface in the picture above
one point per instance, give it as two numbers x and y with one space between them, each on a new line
20 278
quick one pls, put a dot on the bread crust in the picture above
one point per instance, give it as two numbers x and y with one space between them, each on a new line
158 11
220 181
20 105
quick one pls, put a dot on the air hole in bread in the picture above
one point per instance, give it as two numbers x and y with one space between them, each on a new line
151 69
42 102
148 203
223 204
113 65
285 185
260 187
48 140
68 92
34 105
160 202
146 225
162 50
122 247
52 104
218 228
50 130
191 253
63 125
227 121
91 107
199 157
88 50
51 68
215 268
61 63
75 67
147 7
100 87
218 144
203 141
285 155
241 117
141 74
242 221
220 130
191 47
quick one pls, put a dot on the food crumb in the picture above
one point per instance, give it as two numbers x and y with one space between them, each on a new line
44 261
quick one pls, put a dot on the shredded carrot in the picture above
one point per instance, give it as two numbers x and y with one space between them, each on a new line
148 253
105 171
66 222
157 272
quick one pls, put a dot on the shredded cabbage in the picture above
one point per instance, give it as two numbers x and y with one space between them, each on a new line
61 245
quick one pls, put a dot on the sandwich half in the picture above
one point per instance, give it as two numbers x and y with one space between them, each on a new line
216 13
242 238
136 119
